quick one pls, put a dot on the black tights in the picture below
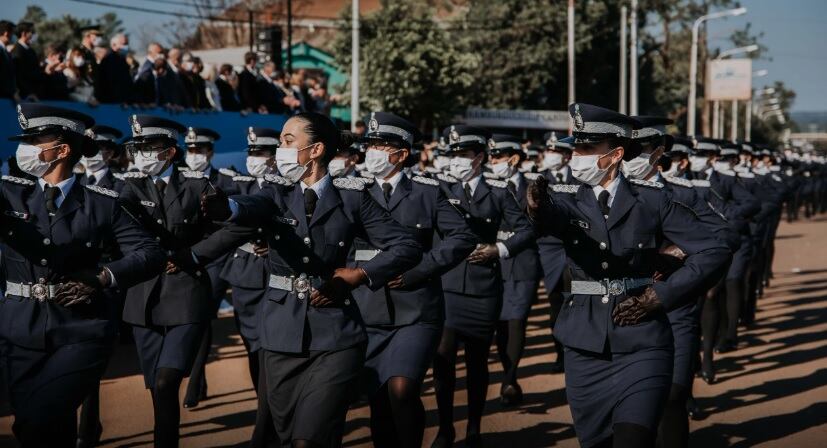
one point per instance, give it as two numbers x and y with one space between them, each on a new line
510 345
734 299
710 321
445 379
166 406
90 416
264 432
673 431
397 416
628 435
197 386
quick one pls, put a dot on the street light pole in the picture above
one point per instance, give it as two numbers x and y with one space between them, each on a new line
623 81
571 54
354 65
716 111
633 63
733 127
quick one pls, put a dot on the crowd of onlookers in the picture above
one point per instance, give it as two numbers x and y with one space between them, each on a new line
100 71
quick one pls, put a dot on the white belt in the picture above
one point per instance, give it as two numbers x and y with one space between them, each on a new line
300 285
606 286
502 236
366 255
38 291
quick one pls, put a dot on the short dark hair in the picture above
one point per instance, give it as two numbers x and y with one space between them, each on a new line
24 27
225 69
6 27
250 57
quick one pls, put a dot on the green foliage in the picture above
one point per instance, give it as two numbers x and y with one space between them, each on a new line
64 32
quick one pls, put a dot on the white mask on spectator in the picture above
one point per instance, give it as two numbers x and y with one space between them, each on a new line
527 166
187 66
79 61
197 162
441 162
98 41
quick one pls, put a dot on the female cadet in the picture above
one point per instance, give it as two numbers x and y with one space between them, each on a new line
310 329
473 289
404 319
56 320
520 271
617 338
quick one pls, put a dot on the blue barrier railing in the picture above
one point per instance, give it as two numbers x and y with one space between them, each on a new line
230 149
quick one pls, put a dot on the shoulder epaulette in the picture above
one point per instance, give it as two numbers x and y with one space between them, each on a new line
447 178
565 188
347 183
228 172
726 172
747 175
679 181
432 170
366 180
777 178
532 176
366 175
646 183
103 191
18 180
193 174
278 180
496 183
488 175
425 181
118 176
701 183
134 175
243 178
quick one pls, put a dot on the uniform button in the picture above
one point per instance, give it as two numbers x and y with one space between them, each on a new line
305 260
571 302
47 241
605 299
419 226
347 301
198 273
341 244
487 219
185 221
574 242
307 240
603 245
277 237
639 245
157 238
604 265
235 255
467 216
160 221
301 296
11 233
88 244
43 262
259 230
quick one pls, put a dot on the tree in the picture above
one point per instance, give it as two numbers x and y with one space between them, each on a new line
64 32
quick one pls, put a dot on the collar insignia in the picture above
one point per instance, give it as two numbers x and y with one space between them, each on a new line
453 136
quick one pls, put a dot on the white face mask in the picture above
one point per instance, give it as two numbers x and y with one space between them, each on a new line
98 41
552 161
442 163
197 162
672 171
462 168
79 61
28 159
586 170
150 165
638 167
92 164
502 170
187 66
721 166
378 163
697 163
257 166
287 162
337 167
527 166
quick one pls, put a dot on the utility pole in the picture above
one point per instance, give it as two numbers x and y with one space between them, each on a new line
354 65
290 36
624 83
571 54
633 64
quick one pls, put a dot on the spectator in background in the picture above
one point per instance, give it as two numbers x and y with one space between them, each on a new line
194 86
157 88
153 52
269 94
299 89
113 84
133 64
174 58
248 83
55 84
227 83
8 84
210 75
79 77
26 63
91 38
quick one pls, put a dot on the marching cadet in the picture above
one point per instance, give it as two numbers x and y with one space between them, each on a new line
58 325
404 319
345 162
473 289
246 272
555 167
520 271
200 144
312 335
170 312
618 342
97 167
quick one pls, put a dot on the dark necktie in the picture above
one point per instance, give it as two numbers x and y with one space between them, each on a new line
603 200
51 194
512 187
560 178
468 194
160 185
310 199
91 180
386 190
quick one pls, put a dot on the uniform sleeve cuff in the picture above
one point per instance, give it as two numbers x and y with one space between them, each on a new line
502 249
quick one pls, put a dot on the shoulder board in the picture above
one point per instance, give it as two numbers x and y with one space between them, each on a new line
425 181
134 175
701 183
432 170
726 172
366 175
193 174
565 188
228 172
346 183
366 180
496 183
103 191
118 176
776 178
243 178
775 168
18 180
532 176
679 181
488 175
278 180
447 178
646 183
746 175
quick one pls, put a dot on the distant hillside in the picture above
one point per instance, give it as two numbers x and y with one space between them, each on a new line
810 121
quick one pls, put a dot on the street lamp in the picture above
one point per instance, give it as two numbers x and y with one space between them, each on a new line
693 62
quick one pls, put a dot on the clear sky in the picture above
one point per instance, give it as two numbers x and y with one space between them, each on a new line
795 32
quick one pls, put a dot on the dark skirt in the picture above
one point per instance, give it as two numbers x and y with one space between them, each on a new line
246 303
308 394
472 316
171 347
685 322
609 388
399 351
740 260
518 295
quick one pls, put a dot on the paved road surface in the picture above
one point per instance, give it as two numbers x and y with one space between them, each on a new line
771 393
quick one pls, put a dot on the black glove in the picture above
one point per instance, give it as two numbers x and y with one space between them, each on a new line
635 309
537 198
82 287
215 206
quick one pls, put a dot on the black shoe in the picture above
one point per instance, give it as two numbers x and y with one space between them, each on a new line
695 412
473 440
511 395
191 402
726 347
87 442
708 375
444 439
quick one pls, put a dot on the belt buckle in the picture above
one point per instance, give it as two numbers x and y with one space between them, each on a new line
40 292
615 287
301 285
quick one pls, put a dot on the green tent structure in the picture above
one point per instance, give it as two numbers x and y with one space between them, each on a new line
315 59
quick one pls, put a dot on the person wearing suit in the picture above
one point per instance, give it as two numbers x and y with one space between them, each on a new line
520 271
404 319
157 86
8 83
28 73
113 82
97 171
224 83
617 337
473 289
248 83
57 322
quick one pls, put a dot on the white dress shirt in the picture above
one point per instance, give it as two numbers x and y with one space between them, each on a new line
98 175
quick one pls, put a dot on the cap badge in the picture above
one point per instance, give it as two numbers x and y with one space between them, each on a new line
578 119
136 127
373 125
191 136
491 143
21 118
89 133
251 136
453 136
552 140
